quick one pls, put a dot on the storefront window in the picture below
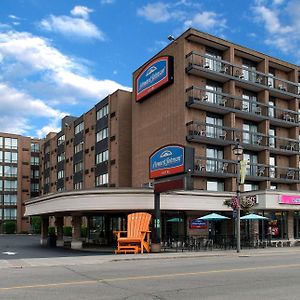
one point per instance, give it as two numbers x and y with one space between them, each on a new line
296 224
277 225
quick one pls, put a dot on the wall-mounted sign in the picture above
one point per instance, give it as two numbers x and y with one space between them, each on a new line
198 224
156 75
288 199
168 160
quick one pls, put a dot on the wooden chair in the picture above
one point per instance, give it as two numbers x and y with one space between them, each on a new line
138 234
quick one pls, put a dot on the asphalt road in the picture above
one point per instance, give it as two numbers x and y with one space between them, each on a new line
259 275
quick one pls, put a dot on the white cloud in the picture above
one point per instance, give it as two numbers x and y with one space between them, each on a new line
155 12
107 1
81 11
72 27
206 20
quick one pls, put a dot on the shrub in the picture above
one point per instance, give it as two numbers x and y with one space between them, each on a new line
51 230
36 225
67 230
83 232
9 227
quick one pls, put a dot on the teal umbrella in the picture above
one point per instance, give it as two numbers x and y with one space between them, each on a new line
175 220
253 217
213 217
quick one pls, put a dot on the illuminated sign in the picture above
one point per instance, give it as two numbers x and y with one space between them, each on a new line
156 75
287 199
198 224
167 161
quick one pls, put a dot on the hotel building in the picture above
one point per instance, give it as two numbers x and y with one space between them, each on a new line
213 95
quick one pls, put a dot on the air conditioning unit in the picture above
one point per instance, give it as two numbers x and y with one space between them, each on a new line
148 185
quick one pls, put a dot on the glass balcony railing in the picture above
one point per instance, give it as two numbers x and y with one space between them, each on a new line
277 86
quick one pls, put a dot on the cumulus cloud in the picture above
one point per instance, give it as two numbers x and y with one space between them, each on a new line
81 11
72 27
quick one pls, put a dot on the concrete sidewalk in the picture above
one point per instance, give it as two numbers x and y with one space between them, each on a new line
100 259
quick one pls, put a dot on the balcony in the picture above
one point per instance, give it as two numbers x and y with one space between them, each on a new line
211 134
222 103
222 71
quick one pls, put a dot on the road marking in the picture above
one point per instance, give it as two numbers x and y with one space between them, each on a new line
9 253
142 277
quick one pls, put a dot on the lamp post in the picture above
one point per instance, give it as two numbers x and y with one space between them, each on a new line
238 152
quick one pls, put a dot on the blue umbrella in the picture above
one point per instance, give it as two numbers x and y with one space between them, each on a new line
175 220
213 217
253 217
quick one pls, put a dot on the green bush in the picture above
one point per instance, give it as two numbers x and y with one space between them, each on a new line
83 232
67 230
36 225
9 227
51 230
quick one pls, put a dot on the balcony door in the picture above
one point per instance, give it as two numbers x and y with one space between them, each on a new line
272 164
252 160
249 102
214 157
211 94
249 70
214 124
250 133
272 134
212 59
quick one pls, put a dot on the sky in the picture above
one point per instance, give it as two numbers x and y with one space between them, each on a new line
61 57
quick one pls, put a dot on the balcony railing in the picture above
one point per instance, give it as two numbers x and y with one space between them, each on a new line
214 167
221 135
217 101
256 80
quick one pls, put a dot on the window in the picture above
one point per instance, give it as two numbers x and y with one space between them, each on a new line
78 167
214 126
101 157
34 174
249 102
47 149
272 164
249 69
78 128
102 112
252 159
61 140
1 156
34 187
1 171
250 187
34 160
35 147
212 60
11 157
1 142
10 171
47 180
102 134
60 189
214 159
78 147
213 185
212 97
60 174
271 79
78 185
10 185
271 109
250 135
10 214
61 157
10 199
102 179
10 143
272 134
1 185
273 187
47 164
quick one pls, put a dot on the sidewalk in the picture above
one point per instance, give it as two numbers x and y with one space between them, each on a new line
104 258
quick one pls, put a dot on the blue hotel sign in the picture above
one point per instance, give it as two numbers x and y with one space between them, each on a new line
155 75
167 161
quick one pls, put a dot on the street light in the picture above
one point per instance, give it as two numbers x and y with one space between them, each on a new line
238 151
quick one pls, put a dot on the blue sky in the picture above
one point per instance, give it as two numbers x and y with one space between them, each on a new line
61 57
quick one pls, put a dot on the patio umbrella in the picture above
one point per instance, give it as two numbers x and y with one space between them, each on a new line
213 217
175 220
253 217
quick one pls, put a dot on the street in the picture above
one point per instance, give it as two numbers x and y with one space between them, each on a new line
254 274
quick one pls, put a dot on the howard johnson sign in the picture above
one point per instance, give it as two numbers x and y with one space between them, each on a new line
156 75
167 161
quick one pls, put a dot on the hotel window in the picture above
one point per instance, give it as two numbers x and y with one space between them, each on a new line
10 185
250 187
1 185
249 69
34 187
78 185
251 168
10 171
211 95
10 199
11 157
102 179
35 160
250 102
272 134
214 126
78 128
47 180
60 174
34 147
102 134
271 108
272 164
10 214
214 159
78 147
61 157
212 60
61 140
1 156
101 157
102 112
78 167
1 142
10 143
214 185
271 79
1 171
250 135
34 174
47 164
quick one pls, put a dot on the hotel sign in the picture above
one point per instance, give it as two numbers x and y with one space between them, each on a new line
155 75
168 160
287 199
